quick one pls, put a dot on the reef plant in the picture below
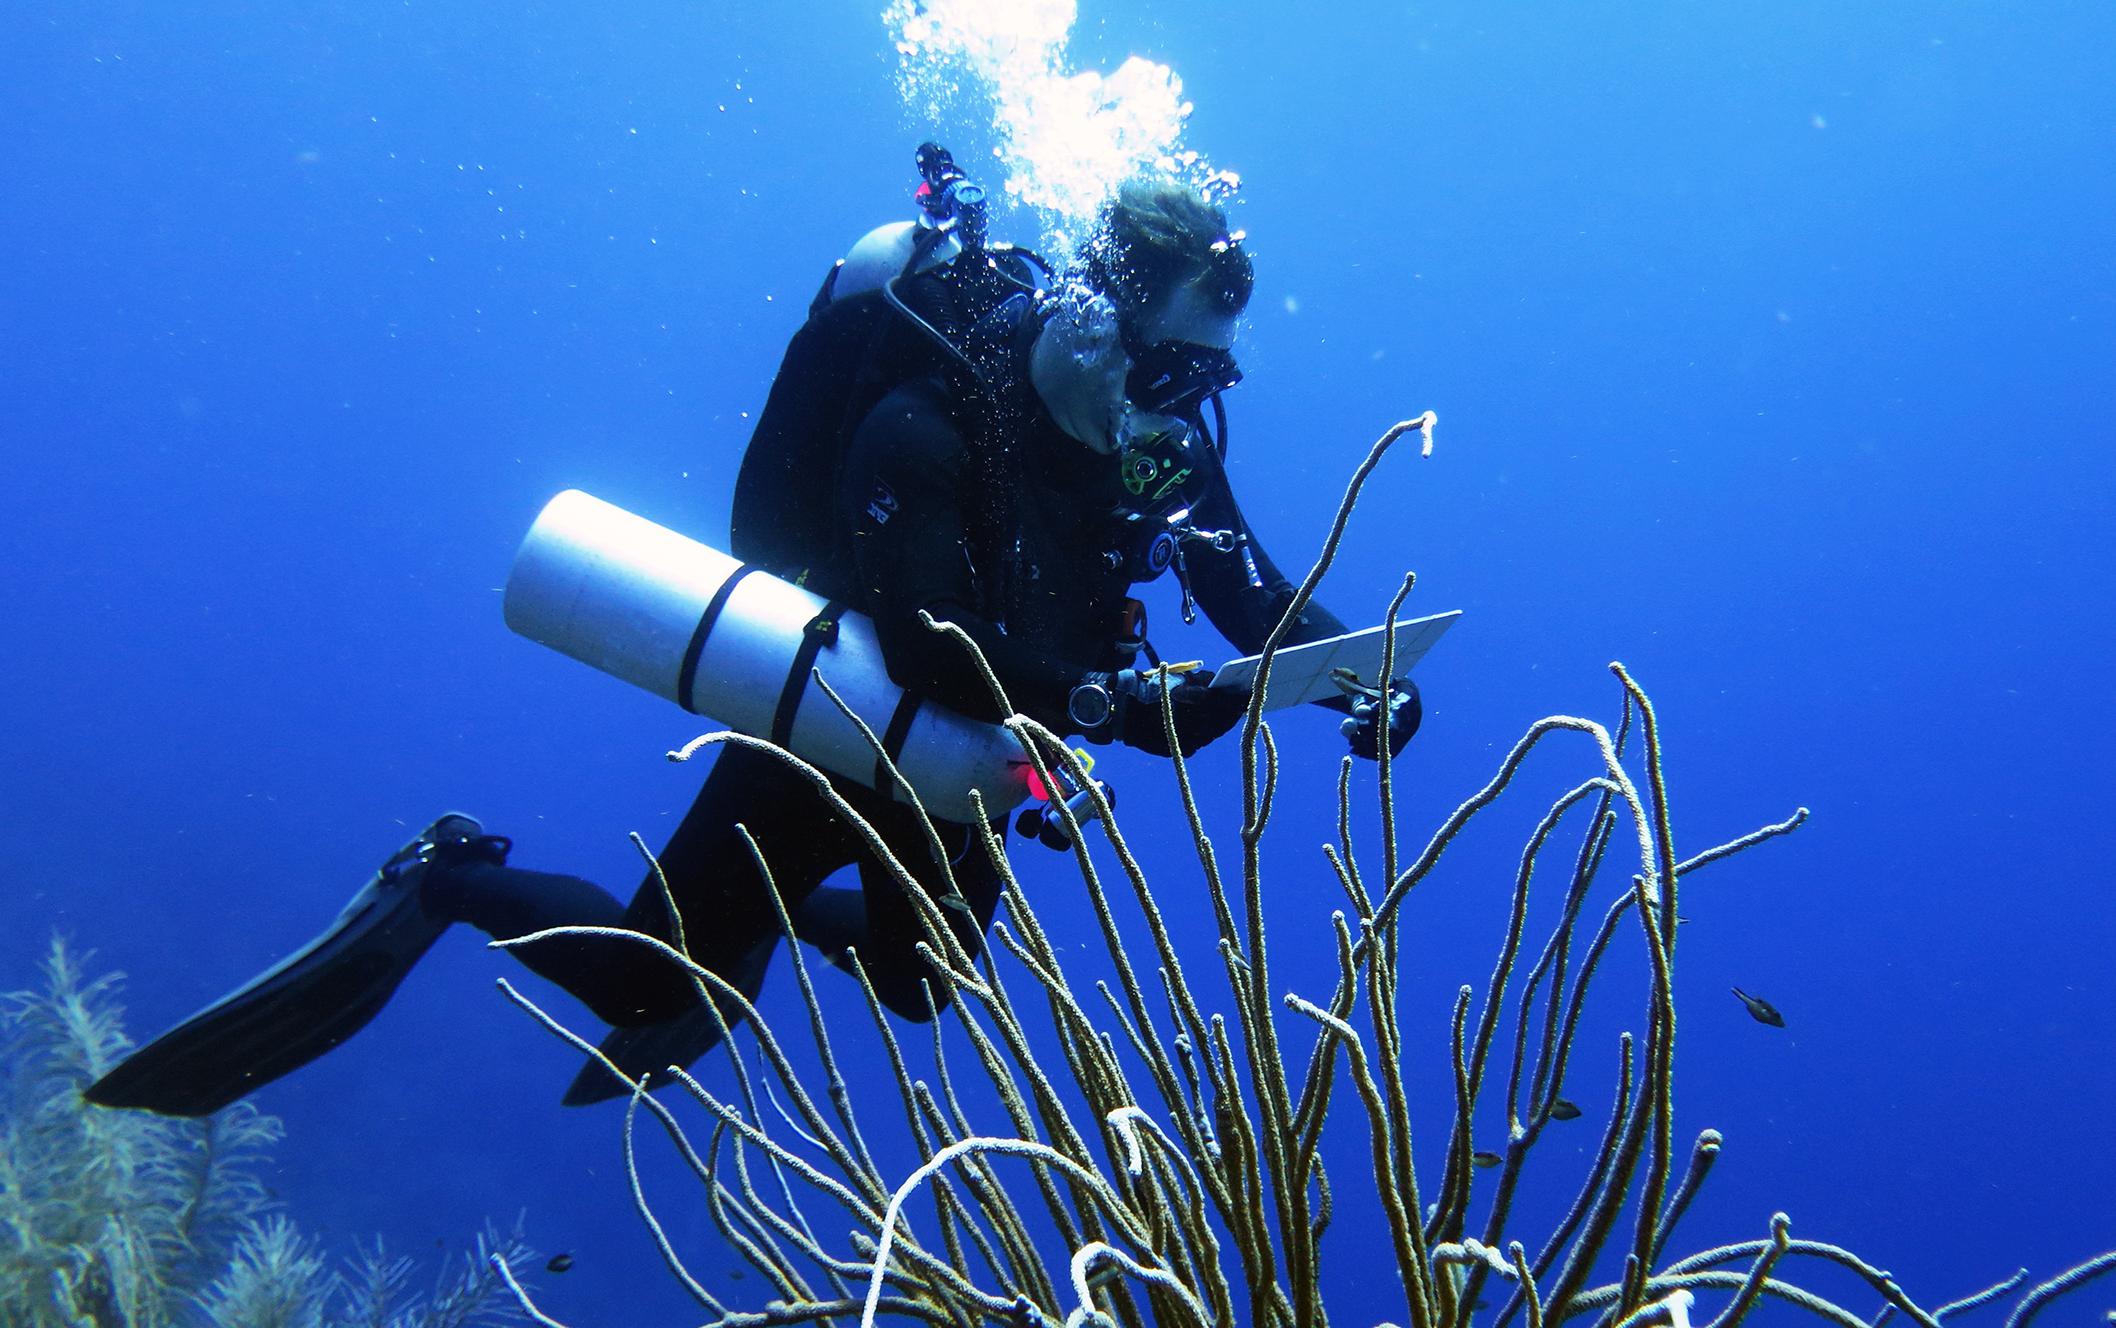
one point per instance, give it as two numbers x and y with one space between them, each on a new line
125 1219
1165 1163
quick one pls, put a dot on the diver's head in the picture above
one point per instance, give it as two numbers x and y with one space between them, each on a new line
1180 279
1148 323
1158 237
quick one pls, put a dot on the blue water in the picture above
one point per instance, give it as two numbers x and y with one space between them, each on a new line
1772 355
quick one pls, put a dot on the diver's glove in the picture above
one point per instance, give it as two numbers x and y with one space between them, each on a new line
1126 707
1362 724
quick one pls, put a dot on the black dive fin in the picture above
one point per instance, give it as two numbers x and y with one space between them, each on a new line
646 1050
652 1048
300 1008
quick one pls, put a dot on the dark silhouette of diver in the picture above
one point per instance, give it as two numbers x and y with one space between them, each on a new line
993 448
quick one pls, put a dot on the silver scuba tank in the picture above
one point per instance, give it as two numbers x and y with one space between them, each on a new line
693 625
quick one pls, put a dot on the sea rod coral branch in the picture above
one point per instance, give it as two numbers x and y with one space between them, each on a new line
1237 1155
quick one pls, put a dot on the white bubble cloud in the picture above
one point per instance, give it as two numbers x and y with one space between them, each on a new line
1066 137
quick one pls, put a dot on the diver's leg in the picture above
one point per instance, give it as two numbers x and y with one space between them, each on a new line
723 902
890 926
728 925
710 872
506 902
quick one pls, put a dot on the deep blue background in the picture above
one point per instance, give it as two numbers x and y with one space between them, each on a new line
1772 354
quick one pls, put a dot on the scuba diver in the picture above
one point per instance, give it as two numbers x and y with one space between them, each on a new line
953 432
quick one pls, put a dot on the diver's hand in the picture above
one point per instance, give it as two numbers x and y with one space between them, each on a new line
1362 728
1202 712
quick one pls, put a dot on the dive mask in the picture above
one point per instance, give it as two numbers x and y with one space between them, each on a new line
1173 377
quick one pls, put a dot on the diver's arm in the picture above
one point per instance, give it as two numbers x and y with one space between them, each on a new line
1245 596
902 494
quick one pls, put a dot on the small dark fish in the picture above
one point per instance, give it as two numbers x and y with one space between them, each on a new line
558 1263
1561 1109
1482 1159
1761 1010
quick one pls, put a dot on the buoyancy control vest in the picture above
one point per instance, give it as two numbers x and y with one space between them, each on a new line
911 300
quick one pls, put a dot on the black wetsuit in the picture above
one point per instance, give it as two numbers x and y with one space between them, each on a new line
992 519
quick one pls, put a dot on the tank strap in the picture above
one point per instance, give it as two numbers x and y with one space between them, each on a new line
893 738
822 630
688 677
